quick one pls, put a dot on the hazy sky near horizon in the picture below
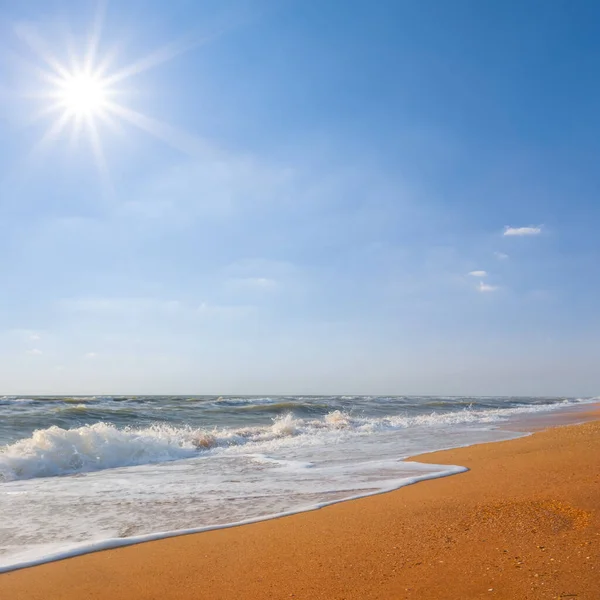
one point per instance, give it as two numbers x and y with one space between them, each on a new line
301 197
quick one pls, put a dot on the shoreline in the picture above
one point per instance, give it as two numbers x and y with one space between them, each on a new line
514 428
116 543
166 568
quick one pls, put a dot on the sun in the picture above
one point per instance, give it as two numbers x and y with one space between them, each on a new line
82 95
81 98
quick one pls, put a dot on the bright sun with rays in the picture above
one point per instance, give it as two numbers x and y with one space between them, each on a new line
81 98
83 94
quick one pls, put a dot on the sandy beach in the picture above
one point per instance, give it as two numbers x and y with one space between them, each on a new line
521 524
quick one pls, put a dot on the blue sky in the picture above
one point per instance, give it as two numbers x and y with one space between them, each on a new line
303 197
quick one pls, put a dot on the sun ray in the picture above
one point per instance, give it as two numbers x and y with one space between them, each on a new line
50 77
98 152
44 113
71 49
76 129
168 52
154 59
175 138
94 41
53 131
102 66
111 122
37 44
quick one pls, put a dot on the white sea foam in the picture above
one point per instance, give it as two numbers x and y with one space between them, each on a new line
43 553
56 451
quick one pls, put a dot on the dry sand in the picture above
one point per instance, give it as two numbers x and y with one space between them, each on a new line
523 523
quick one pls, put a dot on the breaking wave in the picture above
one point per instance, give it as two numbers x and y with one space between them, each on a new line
57 451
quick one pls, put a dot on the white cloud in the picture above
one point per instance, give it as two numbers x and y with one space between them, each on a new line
478 273
486 287
512 231
35 351
262 282
501 255
91 355
34 337
256 283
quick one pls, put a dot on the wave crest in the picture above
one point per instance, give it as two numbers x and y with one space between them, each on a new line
57 451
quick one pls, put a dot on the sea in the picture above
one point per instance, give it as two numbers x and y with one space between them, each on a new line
79 474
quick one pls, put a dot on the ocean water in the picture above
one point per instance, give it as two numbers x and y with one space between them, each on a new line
82 473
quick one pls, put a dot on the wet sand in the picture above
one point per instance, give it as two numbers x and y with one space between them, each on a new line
523 523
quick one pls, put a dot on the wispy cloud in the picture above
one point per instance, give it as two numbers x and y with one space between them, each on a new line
119 305
501 255
90 355
34 337
215 187
34 351
255 283
486 287
520 231
478 273
150 308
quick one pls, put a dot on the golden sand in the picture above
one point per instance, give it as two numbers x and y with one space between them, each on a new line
521 524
